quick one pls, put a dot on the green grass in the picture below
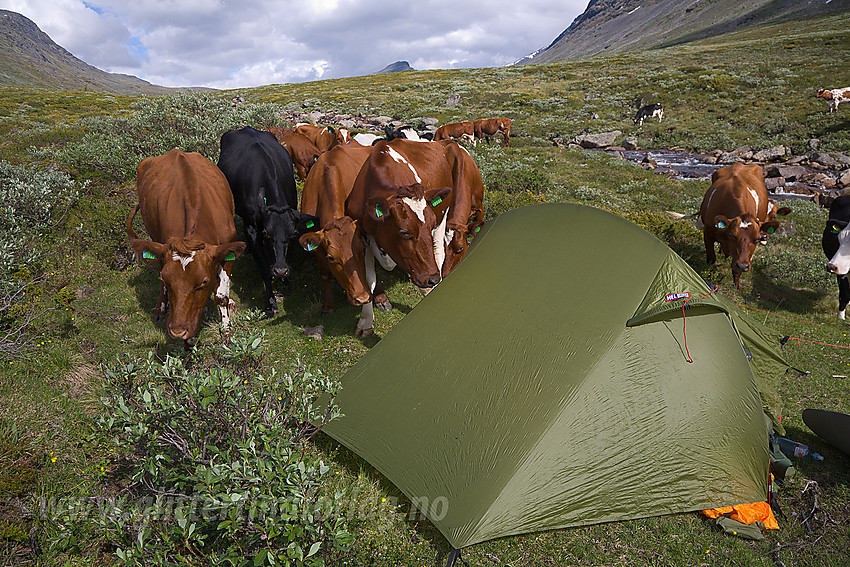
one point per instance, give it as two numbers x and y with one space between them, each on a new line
754 88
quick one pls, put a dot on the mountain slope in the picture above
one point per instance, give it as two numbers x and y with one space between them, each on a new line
397 67
28 57
613 26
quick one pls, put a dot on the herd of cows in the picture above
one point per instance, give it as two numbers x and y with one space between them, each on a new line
398 200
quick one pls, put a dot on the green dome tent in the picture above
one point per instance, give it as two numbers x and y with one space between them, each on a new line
546 383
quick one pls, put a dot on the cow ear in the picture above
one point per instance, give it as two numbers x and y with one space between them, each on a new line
306 223
436 196
377 209
783 211
721 222
228 252
147 250
310 241
769 227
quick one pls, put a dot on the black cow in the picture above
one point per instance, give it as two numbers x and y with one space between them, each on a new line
259 171
836 246
648 111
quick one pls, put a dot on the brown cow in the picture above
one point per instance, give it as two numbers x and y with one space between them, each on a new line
187 209
464 130
338 245
486 128
323 137
403 199
734 212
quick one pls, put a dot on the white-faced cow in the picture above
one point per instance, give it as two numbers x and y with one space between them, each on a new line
403 198
836 246
187 209
259 171
486 128
734 213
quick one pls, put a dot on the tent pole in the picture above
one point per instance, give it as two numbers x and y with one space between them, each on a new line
453 557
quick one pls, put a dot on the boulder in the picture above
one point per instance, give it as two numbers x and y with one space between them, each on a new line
630 144
844 177
789 172
773 182
744 152
601 140
728 158
428 122
453 100
841 158
823 159
770 154
814 143
348 124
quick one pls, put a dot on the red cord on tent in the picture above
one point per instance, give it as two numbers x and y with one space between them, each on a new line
777 314
817 343
683 322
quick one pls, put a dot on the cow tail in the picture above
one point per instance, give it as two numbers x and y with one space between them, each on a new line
130 232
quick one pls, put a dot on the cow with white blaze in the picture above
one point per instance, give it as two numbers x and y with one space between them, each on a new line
187 209
734 213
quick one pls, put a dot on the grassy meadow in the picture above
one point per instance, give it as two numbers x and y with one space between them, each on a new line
753 88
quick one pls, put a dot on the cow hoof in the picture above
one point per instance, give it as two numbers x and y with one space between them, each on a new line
272 312
363 333
382 302
841 315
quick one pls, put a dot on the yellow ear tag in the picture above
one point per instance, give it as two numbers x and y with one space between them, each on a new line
834 228
148 255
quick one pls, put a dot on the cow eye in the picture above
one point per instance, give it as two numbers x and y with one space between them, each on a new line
332 260
404 234
202 285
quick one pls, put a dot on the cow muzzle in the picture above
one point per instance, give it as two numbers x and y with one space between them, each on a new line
281 273
428 282
184 333
741 267
833 269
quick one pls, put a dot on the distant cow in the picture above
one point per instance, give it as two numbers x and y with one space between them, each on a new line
187 209
649 111
486 128
260 175
734 213
323 137
836 246
834 96
403 132
302 151
458 130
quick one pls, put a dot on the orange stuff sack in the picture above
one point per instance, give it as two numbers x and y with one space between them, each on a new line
746 514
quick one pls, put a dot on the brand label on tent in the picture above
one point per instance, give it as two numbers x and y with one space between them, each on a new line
675 296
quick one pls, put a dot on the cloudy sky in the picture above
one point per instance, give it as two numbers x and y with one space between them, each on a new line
245 43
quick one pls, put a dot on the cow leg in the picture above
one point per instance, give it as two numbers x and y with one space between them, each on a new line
710 254
366 323
380 299
256 246
843 295
226 306
327 284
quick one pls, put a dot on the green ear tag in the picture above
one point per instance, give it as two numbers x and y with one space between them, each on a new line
436 201
477 228
311 247
721 224
230 256
834 228
310 224
148 255
770 230
378 212
264 201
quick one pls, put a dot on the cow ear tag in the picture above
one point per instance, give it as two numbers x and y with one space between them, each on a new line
770 230
477 228
311 247
148 255
721 224
378 212
310 224
436 201
230 257
834 228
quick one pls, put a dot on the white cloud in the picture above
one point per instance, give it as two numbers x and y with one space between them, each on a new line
242 43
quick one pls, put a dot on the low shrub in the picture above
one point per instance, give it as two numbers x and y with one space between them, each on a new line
219 462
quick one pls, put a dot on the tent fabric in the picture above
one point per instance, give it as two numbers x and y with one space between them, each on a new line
515 398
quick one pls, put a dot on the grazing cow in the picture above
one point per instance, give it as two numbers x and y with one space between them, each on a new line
259 172
187 209
404 198
338 244
734 212
834 96
836 246
366 139
463 130
649 111
486 128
